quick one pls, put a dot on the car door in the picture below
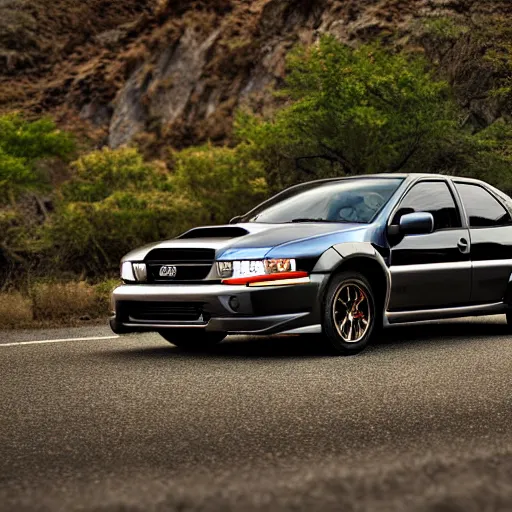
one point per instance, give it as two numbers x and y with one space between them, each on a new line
490 226
430 270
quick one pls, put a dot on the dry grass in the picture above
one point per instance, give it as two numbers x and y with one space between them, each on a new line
15 310
50 304
65 301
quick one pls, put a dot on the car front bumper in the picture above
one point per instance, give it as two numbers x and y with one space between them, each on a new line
261 310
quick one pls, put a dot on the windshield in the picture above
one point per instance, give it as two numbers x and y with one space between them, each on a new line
352 200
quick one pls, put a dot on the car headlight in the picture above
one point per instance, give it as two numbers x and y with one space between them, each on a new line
258 271
134 272
225 268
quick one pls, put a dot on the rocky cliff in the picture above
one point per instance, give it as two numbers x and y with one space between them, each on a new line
174 71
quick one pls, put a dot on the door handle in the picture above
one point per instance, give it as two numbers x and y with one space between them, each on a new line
463 246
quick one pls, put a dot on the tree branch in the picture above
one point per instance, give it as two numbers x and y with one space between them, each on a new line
412 150
11 253
339 157
335 154
379 96
309 171
41 206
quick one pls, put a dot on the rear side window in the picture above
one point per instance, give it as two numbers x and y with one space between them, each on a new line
433 197
482 208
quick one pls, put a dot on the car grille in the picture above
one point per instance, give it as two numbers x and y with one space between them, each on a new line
190 264
164 312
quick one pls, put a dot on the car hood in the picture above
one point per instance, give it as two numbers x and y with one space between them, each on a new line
256 241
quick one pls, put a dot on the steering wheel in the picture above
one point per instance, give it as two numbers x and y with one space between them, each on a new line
348 213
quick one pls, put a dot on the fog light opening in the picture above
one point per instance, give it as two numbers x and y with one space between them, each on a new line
234 303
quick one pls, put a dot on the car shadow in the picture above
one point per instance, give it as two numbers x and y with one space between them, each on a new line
289 347
244 347
445 330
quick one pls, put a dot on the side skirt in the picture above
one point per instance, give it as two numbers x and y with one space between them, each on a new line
398 317
308 329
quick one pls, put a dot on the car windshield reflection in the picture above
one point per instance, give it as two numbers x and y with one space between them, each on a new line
352 200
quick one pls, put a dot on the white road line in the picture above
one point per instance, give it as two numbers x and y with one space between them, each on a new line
14 344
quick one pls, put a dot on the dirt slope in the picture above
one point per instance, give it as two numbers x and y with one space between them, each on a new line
174 71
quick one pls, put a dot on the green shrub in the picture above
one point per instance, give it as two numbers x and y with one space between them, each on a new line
32 140
443 29
11 225
92 237
18 247
114 203
100 173
224 181
26 150
23 145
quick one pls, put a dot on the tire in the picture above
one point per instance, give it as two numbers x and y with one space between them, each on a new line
191 340
349 313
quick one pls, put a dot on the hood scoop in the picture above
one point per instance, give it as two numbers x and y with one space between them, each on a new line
215 232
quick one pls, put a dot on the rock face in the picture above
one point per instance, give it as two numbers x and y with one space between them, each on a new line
180 67
174 71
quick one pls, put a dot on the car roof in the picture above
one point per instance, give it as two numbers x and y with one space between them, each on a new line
412 176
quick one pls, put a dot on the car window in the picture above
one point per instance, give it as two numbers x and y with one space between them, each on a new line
433 197
352 200
481 207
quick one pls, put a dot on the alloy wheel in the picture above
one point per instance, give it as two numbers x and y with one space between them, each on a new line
351 312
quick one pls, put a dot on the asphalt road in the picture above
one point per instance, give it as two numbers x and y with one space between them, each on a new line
421 421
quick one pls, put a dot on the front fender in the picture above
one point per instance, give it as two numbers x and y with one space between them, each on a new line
340 254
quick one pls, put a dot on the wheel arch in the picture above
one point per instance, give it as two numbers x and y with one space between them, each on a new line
362 258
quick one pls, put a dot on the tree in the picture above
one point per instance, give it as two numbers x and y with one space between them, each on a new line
225 181
353 111
23 146
486 155
115 201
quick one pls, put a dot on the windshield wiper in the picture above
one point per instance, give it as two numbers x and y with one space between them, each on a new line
339 221
305 219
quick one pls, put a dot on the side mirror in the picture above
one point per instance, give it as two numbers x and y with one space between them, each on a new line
419 223
235 220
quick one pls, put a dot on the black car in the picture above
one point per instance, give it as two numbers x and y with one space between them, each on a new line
338 258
